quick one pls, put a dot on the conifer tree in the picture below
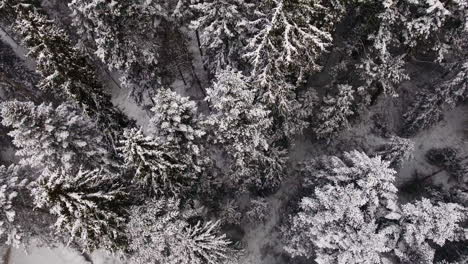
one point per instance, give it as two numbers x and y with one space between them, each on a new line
353 216
21 223
65 71
222 26
159 166
58 137
85 208
160 230
334 114
284 43
177 125
176 119
397 150
10 185
243 128
341 217
424 224
428 106
124 35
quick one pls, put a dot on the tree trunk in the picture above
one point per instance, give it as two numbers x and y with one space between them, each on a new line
199 42
198 81
7 256
87 257
181 75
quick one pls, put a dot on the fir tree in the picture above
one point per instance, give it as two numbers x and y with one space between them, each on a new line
124 36
353 216
176 119
222 27
161 231
284 43
428 106
10 185
396 151
54 137
65 71
243 128
21 223
384 76
334 114
288 34
159 166
424 224
84 206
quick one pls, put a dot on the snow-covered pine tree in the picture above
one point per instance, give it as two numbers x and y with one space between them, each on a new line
21 223
66 72
397 150
15 74
381 77
47 43
425 224
258 211
86 206
10 186
52 137
333 227
389 34
176 123
221 25
288 35
339 222
353 216
334 114
243 128
284 42
449 160
8 11
124 36
176 119
413 24
161 231
159 166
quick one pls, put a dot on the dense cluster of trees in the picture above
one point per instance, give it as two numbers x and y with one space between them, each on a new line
167 191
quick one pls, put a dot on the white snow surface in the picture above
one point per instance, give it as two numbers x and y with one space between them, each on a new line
120 98
59 255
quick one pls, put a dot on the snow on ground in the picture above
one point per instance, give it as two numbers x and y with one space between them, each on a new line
46 256
195 75
60 255
447 133
120 98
